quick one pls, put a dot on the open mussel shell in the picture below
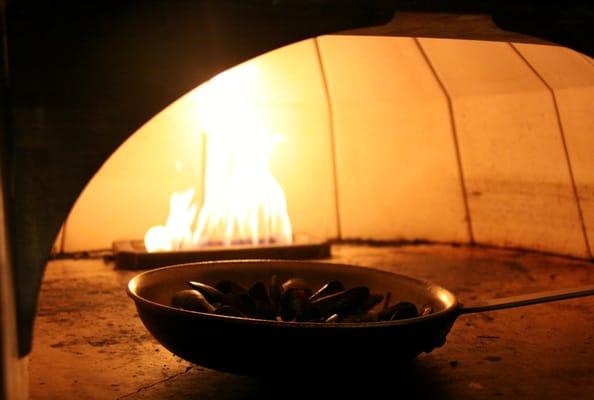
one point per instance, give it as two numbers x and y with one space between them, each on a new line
373 300
228 286
293 300
332 318
259 291
398 311
213 295
297 283
295 305
241 302
342 303
329 288
264 307
191 300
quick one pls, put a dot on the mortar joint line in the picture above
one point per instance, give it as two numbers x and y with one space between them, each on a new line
564 143
331 127
455 138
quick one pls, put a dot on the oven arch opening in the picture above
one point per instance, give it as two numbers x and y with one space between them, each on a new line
32 268
385 138
579 252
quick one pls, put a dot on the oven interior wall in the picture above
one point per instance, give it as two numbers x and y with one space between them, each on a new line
386 138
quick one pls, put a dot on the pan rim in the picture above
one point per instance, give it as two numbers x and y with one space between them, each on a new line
132 285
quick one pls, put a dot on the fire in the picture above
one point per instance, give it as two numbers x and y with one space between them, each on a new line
243 202
177 232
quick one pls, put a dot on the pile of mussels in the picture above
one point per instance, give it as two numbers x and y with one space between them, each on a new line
294 300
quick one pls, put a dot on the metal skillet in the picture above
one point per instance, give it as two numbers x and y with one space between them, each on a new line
261 347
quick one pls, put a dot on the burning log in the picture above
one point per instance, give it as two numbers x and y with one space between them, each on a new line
130 254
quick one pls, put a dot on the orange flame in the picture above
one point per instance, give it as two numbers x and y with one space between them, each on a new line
243 202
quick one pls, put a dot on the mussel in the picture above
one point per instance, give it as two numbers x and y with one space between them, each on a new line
426 310
372 301
329 288
213 295
398 311
295 305
294 300
191 300
228 286
259 291
264 308
241 302
342 303
297 284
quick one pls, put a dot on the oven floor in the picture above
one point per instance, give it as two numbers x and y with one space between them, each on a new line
90 344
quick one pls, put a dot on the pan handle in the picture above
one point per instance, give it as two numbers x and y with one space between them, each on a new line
528 299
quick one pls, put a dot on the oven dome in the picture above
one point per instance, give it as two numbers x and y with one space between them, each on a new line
387 138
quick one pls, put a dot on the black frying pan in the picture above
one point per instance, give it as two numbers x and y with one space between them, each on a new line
252 346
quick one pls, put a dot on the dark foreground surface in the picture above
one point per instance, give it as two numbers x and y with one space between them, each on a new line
89 343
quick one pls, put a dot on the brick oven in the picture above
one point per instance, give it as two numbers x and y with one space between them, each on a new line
451 142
